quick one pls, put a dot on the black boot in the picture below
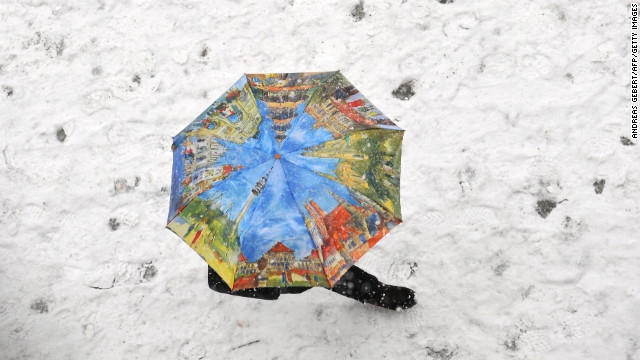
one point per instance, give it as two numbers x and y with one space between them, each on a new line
217 284
366 288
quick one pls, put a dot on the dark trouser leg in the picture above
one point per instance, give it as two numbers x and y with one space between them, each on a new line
217 284
293 289
366 288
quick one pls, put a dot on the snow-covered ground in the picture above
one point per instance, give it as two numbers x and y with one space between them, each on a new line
520 186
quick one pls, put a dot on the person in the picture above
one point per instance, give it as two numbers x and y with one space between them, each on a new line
356 284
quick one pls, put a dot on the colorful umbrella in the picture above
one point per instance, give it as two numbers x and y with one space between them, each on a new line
286 180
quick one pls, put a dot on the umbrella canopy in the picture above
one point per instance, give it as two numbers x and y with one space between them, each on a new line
286 180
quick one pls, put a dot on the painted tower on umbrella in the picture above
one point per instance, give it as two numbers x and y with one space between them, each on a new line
282 103
257 189
283 94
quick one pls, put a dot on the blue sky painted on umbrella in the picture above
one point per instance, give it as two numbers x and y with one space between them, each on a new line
302 134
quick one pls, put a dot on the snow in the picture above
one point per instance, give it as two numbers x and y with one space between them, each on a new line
513 110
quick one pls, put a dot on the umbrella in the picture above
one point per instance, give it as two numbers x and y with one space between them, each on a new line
287 179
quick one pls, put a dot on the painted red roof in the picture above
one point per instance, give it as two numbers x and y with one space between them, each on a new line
234 94
242 258
279 247
245 282
356 103
350 113
313 255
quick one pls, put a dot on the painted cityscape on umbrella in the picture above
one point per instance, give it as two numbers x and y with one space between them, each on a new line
286 180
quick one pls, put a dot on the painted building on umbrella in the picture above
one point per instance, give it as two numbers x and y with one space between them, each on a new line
279 258
278 266
282 106
207 151
340 108
245 267
315 234
347 232
349 159
329 117
203 180
283 93
310 263
236 118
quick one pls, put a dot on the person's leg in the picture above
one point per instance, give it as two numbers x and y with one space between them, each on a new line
217 284
366 288
293 289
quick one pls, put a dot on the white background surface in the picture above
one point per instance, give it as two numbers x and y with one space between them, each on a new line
515 102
